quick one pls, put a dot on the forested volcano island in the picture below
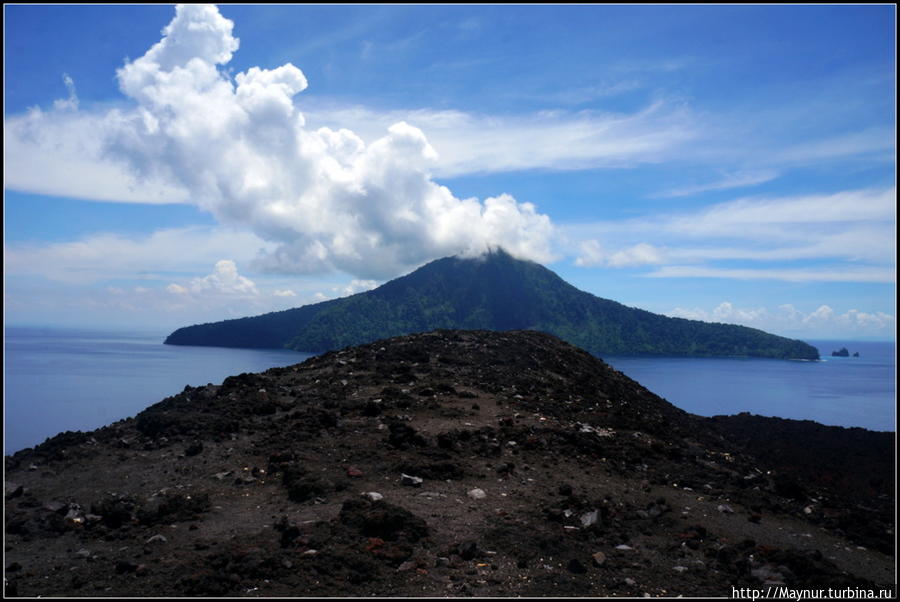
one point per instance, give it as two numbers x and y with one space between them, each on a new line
493 292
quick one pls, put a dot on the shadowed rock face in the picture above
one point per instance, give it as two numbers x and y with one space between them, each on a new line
446 463
494 292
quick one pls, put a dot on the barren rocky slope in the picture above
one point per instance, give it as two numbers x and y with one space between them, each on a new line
450 463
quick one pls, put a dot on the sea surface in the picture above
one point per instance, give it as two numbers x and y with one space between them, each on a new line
838 391
60 379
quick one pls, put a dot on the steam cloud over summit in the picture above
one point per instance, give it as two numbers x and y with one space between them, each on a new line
241 150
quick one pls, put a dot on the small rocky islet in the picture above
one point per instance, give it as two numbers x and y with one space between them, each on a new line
844 352
449 463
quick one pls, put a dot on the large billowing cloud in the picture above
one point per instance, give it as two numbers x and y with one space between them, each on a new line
240 149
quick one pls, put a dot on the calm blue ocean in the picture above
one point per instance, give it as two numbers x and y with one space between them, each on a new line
58 380
838 391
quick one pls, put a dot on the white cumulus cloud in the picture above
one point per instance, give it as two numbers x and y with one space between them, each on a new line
224 280
240 149
592 254
354 286
358 286
787 319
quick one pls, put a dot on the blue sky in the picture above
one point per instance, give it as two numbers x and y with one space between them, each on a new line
726 163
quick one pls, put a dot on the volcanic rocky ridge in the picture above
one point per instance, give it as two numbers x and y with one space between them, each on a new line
449 463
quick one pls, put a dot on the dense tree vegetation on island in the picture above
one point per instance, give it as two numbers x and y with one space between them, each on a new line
492 292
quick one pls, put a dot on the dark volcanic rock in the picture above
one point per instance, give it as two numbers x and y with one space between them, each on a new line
403 436
288 484
381 519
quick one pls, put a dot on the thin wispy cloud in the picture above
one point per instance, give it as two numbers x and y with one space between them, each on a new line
468 143
70 103
741 179
876 142
846 274
666 65
780 218
343 32
853 231
586 94
63 153
110 256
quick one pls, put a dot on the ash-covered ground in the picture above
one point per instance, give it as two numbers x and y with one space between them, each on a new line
450 463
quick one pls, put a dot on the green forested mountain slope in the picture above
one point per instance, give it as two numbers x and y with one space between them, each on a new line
493 292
